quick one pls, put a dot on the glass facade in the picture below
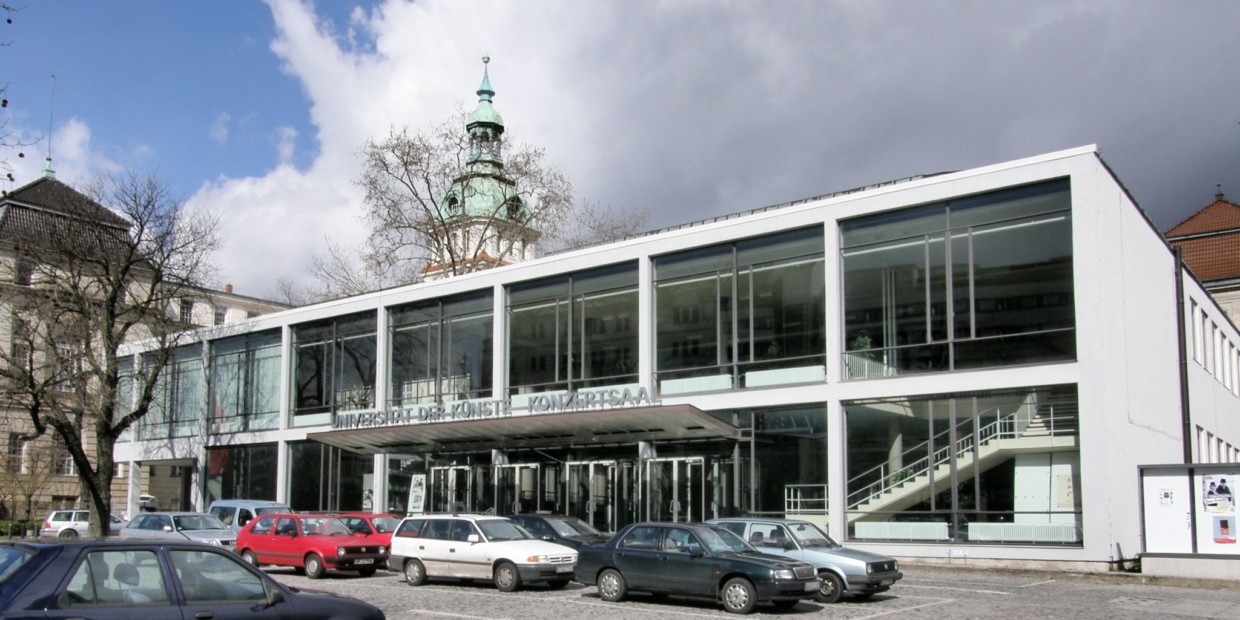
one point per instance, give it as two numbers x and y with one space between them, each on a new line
247 472
245 383
334 367
789 455
741 314
323 477
988 466
441 350
176 407
974 282
574 331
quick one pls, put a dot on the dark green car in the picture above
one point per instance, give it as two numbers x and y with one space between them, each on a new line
693 559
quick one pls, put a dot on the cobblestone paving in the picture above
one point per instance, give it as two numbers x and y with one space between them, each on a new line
924 593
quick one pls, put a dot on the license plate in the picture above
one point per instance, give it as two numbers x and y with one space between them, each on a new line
364 561
811 587
566 568
886 582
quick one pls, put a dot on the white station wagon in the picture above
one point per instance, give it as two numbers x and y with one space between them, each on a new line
477 547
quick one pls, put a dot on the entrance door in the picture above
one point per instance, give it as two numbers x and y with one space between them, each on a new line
591 493
675 489
517 488
451 489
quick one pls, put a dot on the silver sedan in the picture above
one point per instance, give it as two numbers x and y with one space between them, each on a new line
195 526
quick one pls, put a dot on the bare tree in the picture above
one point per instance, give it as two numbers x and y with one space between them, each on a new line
106 269
7 138
593 224
27 475
408 179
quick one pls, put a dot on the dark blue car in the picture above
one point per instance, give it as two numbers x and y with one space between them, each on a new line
152 580
693 559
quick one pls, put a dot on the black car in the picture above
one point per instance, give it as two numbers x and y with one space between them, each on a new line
154 580
567 531
693 559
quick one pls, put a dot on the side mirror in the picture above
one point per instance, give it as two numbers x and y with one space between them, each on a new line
167 528
694 549
548 537
789 545
277 597
473 538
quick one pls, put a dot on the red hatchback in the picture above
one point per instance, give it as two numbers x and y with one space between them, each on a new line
313 543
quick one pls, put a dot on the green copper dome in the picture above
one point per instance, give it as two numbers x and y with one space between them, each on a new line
485 112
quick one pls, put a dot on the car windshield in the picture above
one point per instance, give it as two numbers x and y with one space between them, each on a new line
719 540
197 522
569 526
11 559
810 535
324 526
383 525
502 529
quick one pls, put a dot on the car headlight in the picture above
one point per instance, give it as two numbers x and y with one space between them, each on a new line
869 569
537 559
382 550
339 550
783 573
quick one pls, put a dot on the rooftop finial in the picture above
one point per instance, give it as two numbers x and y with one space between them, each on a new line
48 172
484 91
1219 194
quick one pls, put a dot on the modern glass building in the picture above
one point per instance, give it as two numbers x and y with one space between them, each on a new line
971 364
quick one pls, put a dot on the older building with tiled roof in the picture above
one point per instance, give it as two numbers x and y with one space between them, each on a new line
1209 241
37 221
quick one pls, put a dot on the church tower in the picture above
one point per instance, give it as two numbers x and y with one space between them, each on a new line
485 220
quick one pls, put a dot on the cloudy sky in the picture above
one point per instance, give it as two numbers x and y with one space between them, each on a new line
688 108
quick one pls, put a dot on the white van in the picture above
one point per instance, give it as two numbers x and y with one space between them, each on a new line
235 513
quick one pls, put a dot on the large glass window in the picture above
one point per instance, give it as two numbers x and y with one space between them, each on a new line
241 471
982 467
973 282
245 382
328 478
334 367
785 473
441 350
574 331
742 314
176 406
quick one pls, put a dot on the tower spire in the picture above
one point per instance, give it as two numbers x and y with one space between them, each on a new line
48 172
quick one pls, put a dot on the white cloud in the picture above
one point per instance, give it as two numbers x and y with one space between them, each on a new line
219 129
694 109
75 159
286 143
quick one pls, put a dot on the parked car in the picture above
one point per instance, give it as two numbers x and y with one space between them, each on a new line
860 573
73 523
311 543
236 513
118 579
375 527
195 526
477 547
693 559
564 530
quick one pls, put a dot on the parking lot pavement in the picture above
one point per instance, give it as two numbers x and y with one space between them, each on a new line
923 592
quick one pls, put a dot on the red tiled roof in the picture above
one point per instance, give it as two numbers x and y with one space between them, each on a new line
1219 215
1212 257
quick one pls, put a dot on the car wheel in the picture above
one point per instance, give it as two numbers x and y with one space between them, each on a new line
739 597
611 585
415 573
250 557
314 566
830 589
367 572
68 533
507 579
558 585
